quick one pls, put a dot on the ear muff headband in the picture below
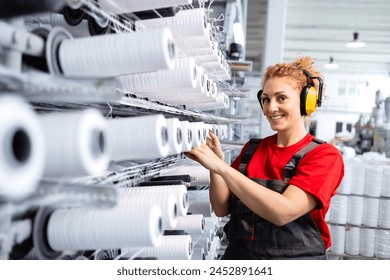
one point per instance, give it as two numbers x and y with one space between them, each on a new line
310 98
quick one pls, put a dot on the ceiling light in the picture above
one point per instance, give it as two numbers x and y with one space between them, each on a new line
331 64
355 43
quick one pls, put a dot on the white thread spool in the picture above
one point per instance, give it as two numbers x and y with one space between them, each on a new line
208 96
339 209
198 172
212 223
346 184
128 224
201 241
180 192
384 213
172 247
144 137
167 202
190 22
358 176
222 132
22 153
215 246
338 239
116 54
198 254
76 143
352 240
195 42
382 244
206 58
225 127
370 212
373 180
220 103
385 182
183 95
192 224
367 242
184 75
195 52
125 6
204 132
199 202
355 210
187 136
175 136
196 134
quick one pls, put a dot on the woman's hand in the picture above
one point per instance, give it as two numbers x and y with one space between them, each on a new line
209 155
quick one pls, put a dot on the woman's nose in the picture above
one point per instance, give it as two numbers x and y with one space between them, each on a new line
272 105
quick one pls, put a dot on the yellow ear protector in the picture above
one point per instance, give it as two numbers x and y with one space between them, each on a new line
310 98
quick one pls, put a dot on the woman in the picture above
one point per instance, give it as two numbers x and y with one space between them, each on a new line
278 190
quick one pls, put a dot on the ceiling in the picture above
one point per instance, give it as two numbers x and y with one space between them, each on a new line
322 28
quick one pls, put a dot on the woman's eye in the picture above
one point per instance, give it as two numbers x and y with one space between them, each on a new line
282 98
264 100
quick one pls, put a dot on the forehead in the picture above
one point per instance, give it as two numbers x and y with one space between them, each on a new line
279 84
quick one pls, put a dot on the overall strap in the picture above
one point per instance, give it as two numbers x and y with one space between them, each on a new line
290 168
253 143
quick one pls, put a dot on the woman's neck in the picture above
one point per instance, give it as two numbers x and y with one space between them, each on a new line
288 138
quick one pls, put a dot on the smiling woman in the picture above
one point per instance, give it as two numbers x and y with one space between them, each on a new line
278 190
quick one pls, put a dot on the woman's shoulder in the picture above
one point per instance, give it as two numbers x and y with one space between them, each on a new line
325 149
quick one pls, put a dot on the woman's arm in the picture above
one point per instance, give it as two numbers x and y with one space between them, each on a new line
219 195
277 208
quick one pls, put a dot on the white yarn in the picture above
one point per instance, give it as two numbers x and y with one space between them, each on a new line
359 176
367 242
76 143
385 191
22 152
338 239
125 6
167 202
190 22
128 224
196 134
117 54
370 212
382 244
144 137
172 247
198 254
184 75
199 173
192 224
180 191
187 136
355 210
339 209
352 240
373 180
384 213
199 203
221 103
175 138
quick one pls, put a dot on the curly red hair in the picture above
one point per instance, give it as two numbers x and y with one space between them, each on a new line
294 71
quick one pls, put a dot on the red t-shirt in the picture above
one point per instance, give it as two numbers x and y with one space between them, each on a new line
319 172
